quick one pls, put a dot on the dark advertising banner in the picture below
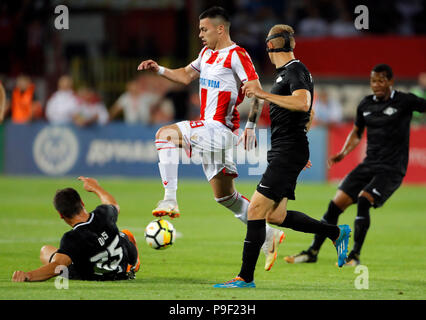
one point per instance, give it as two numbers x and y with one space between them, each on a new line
122 150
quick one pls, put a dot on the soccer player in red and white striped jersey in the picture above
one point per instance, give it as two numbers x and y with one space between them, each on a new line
223 68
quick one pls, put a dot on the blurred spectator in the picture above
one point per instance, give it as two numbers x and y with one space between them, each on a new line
134 105
328 111
194 106
178 94
143 101
6 37
2 102
24 106
420 91
249 27
408 9
91 109
312 25
35 49
63 104
343 26
155 89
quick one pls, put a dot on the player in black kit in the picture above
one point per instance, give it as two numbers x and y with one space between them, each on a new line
290 108
94 249
386 114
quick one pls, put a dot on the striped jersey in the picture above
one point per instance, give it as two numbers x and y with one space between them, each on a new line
222 74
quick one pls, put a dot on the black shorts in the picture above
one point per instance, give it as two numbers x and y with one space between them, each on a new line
284 166
380 184
130 256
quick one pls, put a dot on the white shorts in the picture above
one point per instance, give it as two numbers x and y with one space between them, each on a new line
213 142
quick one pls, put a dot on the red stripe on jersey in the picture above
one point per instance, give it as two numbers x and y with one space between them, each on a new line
222 106
227 63
213 57
235 114
203 100
205 49
247 64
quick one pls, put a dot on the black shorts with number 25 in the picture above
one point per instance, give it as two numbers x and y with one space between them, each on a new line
284 166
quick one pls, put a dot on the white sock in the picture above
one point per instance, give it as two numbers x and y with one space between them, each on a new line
239 204
168 155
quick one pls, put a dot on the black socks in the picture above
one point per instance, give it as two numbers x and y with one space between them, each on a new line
255 237
362 223
330 217
301 222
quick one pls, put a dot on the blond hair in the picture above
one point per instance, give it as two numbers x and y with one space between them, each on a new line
279 42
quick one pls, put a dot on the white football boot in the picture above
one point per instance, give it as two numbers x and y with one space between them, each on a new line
270 246
167 208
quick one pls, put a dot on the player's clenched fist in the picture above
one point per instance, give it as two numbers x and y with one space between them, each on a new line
148 65
252 89
19 276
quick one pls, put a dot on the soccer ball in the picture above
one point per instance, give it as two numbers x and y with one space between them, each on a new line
159 234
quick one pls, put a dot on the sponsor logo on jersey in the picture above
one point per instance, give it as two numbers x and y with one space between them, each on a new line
389 111
209 83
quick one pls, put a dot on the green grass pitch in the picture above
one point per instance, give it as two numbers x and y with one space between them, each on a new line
210 248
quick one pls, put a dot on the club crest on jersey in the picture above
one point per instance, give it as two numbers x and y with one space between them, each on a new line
219 60
389 111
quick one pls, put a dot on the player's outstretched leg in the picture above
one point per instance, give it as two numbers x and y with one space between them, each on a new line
238 204
299 221
335 208
167 143
311 254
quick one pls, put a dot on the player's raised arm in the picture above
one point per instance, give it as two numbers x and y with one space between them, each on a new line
45 272
182 75
353 139
92 185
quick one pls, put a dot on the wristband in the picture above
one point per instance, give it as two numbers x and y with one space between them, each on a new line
250 125
161 70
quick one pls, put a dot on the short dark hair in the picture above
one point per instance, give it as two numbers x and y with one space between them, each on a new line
215 12
382 67
67 202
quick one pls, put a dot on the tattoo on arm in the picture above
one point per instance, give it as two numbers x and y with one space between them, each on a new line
255 111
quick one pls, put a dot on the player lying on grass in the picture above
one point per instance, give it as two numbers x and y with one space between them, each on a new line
386 114
222 67
290 110
94 249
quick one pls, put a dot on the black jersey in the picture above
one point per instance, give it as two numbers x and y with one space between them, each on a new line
290 126
95 247
388 129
